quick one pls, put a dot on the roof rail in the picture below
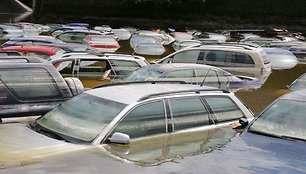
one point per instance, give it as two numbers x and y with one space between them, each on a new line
140 82
197 91
235 44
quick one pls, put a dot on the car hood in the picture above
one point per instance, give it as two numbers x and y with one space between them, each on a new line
21 145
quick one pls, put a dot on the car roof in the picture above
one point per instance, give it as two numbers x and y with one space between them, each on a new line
23 59
277 51
170 66
131 93
36 38
44 49
299 95
74 55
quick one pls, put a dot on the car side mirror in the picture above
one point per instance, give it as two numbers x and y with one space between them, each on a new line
243 122
120 138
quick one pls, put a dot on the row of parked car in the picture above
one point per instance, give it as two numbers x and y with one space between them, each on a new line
148 115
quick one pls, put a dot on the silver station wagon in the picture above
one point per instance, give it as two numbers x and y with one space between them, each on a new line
134 114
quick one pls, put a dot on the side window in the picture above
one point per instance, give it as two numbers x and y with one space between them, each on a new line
123 67
209 77
243 60
145 120
93 68
65 67
224 108
30 84
180 73
189 56
188 113
40 55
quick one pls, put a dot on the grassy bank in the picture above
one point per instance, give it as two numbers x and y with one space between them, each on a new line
203 13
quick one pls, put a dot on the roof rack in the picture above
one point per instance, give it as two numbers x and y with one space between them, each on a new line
235 44
140 82
197 91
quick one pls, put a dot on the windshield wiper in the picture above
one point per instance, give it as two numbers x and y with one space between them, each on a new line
265 133
37 128
292 138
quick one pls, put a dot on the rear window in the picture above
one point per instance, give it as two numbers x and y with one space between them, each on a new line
30 83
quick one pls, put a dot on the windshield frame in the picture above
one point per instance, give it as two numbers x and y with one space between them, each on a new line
64 127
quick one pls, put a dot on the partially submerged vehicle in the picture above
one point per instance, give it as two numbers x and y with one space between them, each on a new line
94 70
22 41
125 124
122 34
76 36
102 43
31 87
137 39
281 59
193 74
161 37
43 52
259 40
299 51
178 36
8 31
155 49
62 29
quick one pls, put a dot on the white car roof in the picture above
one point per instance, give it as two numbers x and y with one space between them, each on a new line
131 93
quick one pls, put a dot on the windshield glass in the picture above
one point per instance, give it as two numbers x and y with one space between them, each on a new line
81 117
143 74
285 118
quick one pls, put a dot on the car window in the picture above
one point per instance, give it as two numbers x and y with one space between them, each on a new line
209 77
65 67
145 120
93 69
188 113
190 56
180 73
40 55
123 67
215 57
243 60
224 108
67 37
30 83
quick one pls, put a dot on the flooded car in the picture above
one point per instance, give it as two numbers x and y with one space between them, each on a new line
161 37
103 43
43 52
177 45
239 59
8 31
120 126
194 74
64 28
299 51
155 49
122 34
281 59
32 87
76 36
94 70
178 36
137 39
31 41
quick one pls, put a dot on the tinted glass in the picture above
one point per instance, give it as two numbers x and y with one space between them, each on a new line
145 120
242 59
30 84
224 108
188 113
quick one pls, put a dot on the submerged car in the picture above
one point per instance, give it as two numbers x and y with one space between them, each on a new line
178 45
281 59
115 122
31 41
194 74
103 43
43 52
93 70
8 31
155 49
32 87
76 36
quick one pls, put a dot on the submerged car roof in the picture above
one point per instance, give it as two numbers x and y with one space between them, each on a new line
130 93
169 66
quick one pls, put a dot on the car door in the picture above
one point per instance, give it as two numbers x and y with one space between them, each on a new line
146 125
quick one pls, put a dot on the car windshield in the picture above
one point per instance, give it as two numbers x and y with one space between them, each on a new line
285 118
143 74
82 117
